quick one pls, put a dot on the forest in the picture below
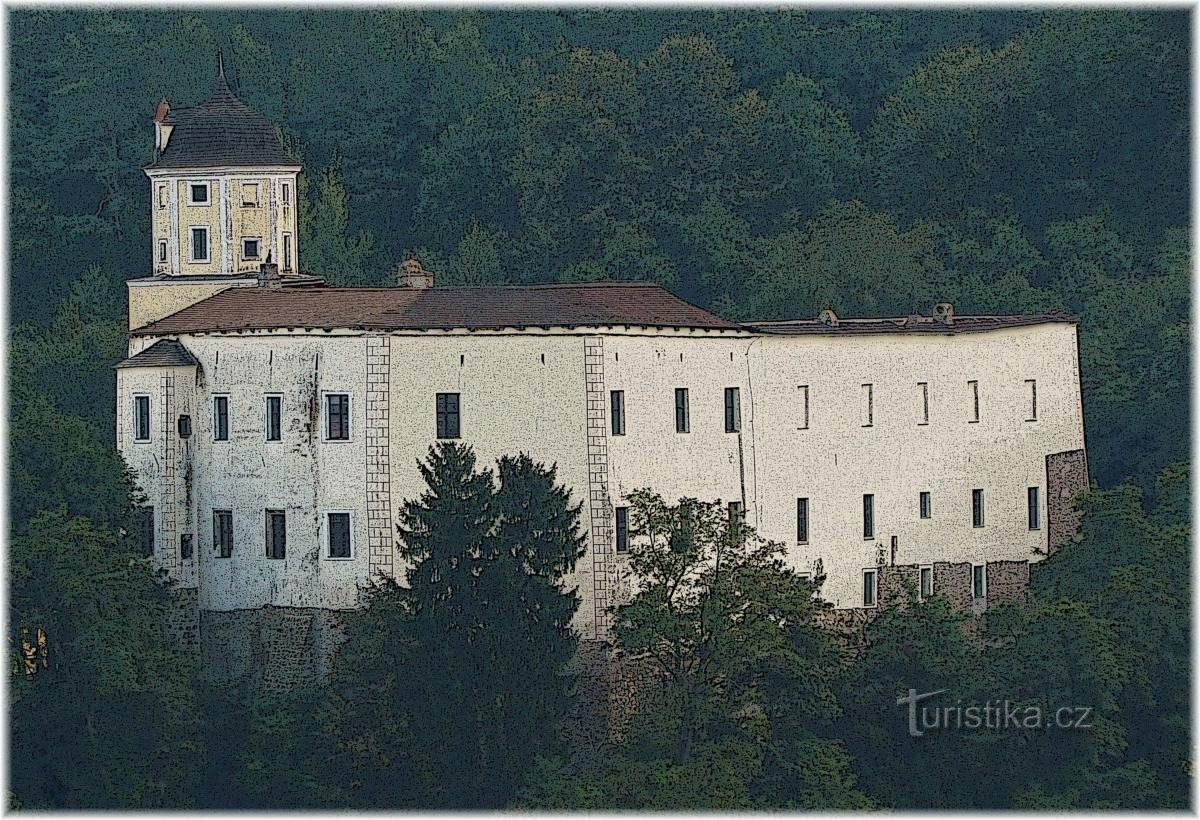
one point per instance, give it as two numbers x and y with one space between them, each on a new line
761 164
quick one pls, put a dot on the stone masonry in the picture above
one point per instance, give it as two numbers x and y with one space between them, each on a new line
599 505
1066 478
379 495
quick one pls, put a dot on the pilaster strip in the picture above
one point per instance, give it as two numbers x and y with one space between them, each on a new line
169 548
599 505
381 542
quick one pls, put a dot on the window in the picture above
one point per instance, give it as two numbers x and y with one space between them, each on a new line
162 250
1035 508
286 195
162 196
622 529
220 418
272 422
926 507
617 400
979 580
802 520
803 406
447 415
868 516
249 194
251 248
976 508
338 537
925 587
276 534
199 244
223 533
733 410
973 386
198 193
868 405
923 389
287 251
736 517
682 420
337 417
145 524
1032 385
184 425
185 546
141 418
870 587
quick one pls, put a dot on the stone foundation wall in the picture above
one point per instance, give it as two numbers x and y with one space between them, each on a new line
1066 478
184 623
1007 582
277 647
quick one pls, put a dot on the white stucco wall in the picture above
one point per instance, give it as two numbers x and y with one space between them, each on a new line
526 391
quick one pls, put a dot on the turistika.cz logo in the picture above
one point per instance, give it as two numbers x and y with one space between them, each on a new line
993 715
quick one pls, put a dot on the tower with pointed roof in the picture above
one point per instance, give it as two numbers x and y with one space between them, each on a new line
223 204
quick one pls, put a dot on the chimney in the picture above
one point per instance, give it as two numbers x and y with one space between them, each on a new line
828 318
268 274
944 313
412 275
162 131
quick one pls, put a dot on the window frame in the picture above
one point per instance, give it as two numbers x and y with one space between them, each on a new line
978 512
973 385
191 193
442 417
137 400
873 574
616 412
326 551
222 547
868 519
327 417
258 242
924 404
683 411
979 581
287 251
147 530
922 594
257 186
270 547
869 391
621 529
924 505
285 192
1033 508
164 196
267 399
192 258
803 388
187 546
802 520
1033 406
733 410
218 398
163 251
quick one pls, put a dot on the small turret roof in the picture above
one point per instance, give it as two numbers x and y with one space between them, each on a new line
222 130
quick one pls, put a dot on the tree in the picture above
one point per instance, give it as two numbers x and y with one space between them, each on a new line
457 680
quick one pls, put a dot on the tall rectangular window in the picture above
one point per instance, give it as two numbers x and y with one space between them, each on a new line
870 587
803 407
223 533
868 417
286 193
337 535
979 580
868 516
923 392
1035 508
802 520
199 244
162 196
925 588
185 546
973 389
622 529
273 421
287 251
337 417
447 415
145 522
162 250
733 410
736 516
1031 384
276 534
220 418
617 401
976 508
141 418
925 504
682 421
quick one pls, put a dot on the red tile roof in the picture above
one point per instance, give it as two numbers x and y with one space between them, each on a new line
398 308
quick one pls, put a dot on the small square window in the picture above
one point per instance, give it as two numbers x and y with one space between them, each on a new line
276 534
339 536
198 193
249 194
251 248
141 418
447 415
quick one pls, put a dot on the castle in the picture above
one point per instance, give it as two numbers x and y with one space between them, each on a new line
275 423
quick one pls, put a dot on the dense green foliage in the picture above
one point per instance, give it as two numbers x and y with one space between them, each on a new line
763 164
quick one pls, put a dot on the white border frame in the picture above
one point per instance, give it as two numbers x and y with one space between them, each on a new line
985 581
242 254
921 596
349 394
149 418
326 530
192 203
874 572
258 195
267 416
228 419
192 260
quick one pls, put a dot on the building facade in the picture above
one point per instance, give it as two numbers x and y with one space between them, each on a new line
275 423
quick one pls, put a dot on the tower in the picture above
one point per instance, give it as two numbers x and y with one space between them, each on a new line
223 204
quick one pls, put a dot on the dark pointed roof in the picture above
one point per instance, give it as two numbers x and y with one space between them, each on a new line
222 130
166 353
